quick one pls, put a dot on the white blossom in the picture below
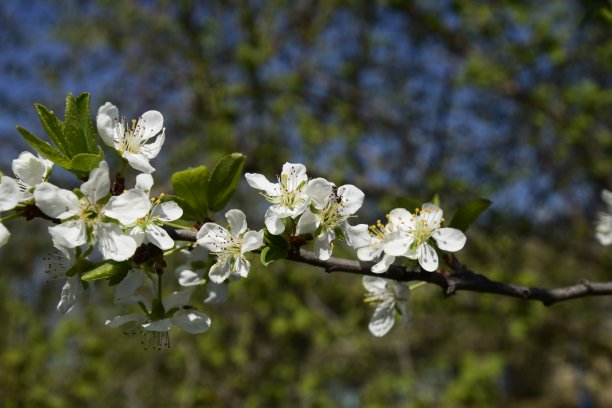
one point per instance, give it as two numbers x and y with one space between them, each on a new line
230 246
372 248
288 197
58 267
328 215
10 193
386 296
30 171
413 231
604 221
84 218
4 235
149 228
134 141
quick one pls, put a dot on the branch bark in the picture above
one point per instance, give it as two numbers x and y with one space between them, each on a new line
457 278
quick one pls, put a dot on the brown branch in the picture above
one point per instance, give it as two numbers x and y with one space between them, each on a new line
457 278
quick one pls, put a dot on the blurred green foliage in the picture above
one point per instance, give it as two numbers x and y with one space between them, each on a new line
505 99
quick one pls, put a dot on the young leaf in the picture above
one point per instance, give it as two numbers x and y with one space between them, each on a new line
85 124
83 163
191 188
44 148
53 126
468 213
271 254
106 270
224 179
73 131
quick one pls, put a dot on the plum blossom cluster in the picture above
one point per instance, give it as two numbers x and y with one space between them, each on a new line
120 231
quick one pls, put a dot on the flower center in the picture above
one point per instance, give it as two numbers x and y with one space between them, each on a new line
130 138
90 213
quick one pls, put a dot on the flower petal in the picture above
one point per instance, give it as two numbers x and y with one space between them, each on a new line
55 202
219 272
70 293
177 299
217 293
352 199
161 325
187 277
139 162
159 237
251 241
237 221
121 320
144 182
98 184
113 243
397 244
192 321
167 211
307 223
213 237
128 207
319 191
10 195
29 168
106 120
295 174
273 222
400 218
150 124
69 234
260 182
383 265
432 213
357 236
383 319
126 288
4 235
324 245
374 284
449 239
241 267
151 150
427 256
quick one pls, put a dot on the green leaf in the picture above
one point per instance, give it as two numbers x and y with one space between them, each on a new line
224 179
191 187
468 213
53 126
84 118
44 148
271 254
106 270
83 163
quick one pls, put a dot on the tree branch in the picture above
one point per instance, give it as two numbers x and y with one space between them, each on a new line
457 278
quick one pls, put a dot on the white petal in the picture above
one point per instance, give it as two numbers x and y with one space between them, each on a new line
260 182
150 123
383 319
296 175
324 246
273 222
219 272
70 293
138 234
29 168
126 288
167 211
432 213
237 221
177 299
213 237
69 234
241 267
144 182
4 235
128 207
427 256
383 265
368 253
400 218
357 236
106 120
151 150
139 162
251 241
159 237
319 191
352 199
56 202
113 243
397 244
217 293
449 239
161 325
98 184
307 223
192 321
121 320
606 195
187 277
374 284
10 195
